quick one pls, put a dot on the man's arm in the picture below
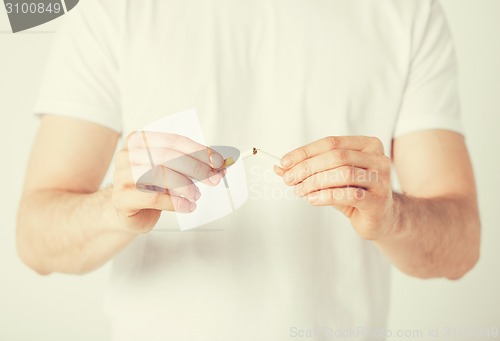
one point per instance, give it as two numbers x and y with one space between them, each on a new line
67 224
437 227
432 230
64 222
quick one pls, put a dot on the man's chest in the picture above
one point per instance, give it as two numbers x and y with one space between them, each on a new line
315 68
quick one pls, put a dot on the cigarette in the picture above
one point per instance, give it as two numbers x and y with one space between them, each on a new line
249 153
228 162
263 154
268 156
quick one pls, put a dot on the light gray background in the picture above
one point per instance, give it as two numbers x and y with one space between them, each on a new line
62 307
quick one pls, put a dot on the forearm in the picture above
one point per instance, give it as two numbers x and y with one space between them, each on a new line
68 232
436 237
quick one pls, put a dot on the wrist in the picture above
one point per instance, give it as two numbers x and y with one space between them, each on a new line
394 223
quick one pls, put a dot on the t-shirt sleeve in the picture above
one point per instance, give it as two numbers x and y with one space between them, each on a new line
82 72
431 100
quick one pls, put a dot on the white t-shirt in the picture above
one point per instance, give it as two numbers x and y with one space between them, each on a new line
273 74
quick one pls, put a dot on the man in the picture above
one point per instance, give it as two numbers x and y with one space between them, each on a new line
342 89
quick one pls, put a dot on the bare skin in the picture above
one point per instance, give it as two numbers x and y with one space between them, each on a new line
67 224
432 230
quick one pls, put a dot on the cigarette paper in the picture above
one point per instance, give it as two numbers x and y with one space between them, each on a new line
261 153
267 156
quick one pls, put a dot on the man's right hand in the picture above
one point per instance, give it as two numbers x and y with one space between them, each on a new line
170 163
67 223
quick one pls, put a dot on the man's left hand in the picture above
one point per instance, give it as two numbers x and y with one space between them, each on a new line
350 173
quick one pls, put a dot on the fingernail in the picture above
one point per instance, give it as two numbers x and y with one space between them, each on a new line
278 170
216 160
286 163
313 197
289 177
192 206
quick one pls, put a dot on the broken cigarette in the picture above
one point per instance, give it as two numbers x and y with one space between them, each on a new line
260 152
228 162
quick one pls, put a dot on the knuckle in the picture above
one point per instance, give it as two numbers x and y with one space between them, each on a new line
387 163
375 140
305 152
342 155
333 141
384 165
358 194
377 143
154 199
305 170
312 183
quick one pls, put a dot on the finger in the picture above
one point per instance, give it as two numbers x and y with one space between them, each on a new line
339 177
122 159
348 196
133 201
279 171
360 143
149 140
329 160
157 155
177 161
159 178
